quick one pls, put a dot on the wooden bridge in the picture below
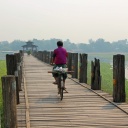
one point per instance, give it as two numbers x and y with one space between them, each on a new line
40 105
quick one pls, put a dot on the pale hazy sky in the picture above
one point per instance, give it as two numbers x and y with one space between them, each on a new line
77 20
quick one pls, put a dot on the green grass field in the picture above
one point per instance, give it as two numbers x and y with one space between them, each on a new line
2 73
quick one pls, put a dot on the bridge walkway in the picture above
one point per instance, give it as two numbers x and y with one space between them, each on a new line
40 105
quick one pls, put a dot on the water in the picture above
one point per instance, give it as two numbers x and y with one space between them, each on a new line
3 54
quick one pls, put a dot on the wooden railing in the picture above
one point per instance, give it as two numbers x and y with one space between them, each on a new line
78 63
11 85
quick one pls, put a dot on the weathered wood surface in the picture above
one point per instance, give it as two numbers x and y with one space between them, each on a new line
119 94
80 107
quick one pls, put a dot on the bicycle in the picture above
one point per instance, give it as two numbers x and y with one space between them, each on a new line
60 81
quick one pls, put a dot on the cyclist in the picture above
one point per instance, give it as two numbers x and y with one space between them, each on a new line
60 60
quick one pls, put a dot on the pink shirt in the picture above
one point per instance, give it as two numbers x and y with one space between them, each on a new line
60 55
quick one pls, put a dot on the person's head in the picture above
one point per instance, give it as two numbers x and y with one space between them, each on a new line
59 43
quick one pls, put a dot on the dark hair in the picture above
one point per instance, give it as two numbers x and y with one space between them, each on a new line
59 43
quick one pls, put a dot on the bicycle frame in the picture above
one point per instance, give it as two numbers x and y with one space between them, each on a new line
60 84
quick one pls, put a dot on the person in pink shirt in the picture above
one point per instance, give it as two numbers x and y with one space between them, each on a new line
60 60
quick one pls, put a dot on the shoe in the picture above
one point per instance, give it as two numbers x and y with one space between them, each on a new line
55 82
64 88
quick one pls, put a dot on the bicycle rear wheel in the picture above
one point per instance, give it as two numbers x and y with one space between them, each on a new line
61 88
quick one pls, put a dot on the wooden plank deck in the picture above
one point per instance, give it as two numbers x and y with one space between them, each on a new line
80 108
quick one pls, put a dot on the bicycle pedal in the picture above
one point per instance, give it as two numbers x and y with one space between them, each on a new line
66 91
58 92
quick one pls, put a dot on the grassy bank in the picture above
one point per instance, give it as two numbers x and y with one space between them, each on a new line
2 73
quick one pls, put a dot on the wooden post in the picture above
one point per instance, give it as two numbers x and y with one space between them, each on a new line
48 57
41 55
37 55
11 64
17 91
95 75
51 57
119 78
92 73
83 68
21 53
18 74
18 69
75 65
9 101
17 57
45 54
69 61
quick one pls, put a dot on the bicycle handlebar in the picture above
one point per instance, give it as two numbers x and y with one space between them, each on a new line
65 71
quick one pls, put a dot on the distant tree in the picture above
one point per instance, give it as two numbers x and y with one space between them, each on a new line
16 45
100 45
120 45
4 46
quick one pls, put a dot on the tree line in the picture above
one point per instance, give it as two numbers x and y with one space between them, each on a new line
100 45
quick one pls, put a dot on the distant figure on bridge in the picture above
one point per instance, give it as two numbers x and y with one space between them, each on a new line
60 60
